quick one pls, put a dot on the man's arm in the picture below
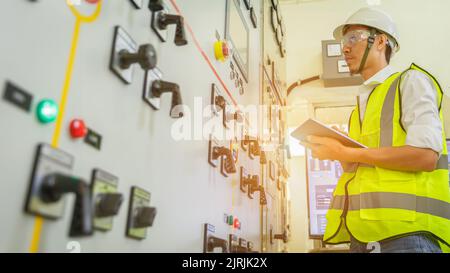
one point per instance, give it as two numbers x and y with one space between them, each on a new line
420 110
404 158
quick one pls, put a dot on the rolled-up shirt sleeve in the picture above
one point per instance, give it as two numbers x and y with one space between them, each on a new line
420 111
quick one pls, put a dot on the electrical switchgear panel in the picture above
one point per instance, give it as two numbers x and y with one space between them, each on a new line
121 93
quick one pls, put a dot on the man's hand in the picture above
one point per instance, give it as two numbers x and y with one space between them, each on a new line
325 148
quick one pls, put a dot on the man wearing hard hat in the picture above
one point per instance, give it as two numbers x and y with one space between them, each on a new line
395 194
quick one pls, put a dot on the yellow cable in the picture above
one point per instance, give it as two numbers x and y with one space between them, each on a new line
34 246
39 221
66 86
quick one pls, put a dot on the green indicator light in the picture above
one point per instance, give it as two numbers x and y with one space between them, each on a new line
230 220
47 111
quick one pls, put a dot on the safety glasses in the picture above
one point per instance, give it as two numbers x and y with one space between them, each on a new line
353 37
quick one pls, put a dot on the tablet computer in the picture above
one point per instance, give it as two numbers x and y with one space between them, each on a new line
312 127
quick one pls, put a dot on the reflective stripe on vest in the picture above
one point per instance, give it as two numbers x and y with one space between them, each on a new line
393 200
442 164
387 116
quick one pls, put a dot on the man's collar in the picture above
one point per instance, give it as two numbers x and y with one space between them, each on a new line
380 76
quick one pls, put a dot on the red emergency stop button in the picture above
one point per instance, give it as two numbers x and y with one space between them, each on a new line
78 128
93 1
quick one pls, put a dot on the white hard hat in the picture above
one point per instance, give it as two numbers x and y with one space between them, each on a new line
375 18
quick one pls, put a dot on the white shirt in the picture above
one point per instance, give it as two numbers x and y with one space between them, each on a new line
420 110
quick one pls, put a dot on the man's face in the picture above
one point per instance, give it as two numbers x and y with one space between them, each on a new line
354 52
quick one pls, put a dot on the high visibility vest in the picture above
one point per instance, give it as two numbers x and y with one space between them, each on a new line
374 204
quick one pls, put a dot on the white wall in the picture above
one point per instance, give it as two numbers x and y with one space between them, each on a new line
423 27
299 241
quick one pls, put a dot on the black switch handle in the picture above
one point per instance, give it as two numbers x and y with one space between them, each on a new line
144 217
214 242
250 248
255 149
283 237
159 87
239 249
108 204
254 184
218 152
54 186
227 155
170 19
262 193
254 180
146 57
230 164
251 181
220 102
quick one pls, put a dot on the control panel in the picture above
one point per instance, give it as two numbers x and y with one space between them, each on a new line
131 120
275 215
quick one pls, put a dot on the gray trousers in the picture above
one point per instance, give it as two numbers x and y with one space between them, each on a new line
417 243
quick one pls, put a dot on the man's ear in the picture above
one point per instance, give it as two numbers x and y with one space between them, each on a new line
381 42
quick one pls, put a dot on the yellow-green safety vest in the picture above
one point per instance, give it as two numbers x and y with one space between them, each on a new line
374 204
